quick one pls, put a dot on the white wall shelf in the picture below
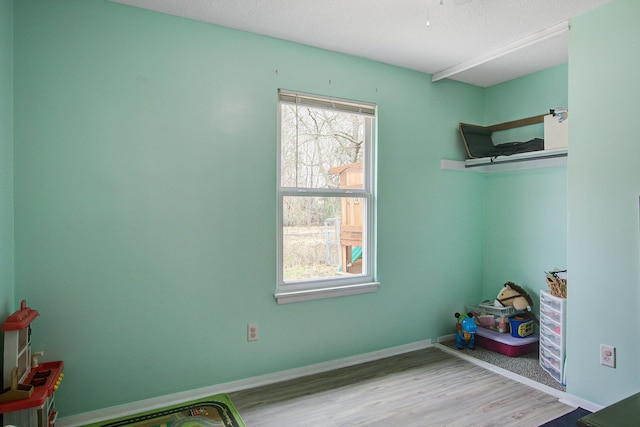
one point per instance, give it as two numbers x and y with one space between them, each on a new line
521 161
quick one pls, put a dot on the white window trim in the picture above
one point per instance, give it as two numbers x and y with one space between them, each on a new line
322 293
309 290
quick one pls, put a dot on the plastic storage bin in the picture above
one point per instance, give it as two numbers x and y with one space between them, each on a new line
520 326
505 343
551 314
552 335
548 300
500 315
553 349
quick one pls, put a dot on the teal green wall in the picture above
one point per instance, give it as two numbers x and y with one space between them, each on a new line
6 158
604 184
525 228
525 211
527 96
145 163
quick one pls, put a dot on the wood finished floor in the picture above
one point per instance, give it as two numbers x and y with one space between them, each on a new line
422 388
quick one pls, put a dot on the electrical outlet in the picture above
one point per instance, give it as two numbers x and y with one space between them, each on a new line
607 355
252 332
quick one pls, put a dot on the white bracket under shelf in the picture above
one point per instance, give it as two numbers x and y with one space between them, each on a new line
521 161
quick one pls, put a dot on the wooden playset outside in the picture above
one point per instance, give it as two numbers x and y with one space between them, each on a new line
350 218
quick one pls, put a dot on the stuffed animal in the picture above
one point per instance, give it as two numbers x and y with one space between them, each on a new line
513 295
465 331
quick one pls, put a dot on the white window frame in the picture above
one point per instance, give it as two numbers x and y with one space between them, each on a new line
304 290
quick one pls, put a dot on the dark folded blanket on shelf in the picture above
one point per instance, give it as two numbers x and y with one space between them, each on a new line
478 142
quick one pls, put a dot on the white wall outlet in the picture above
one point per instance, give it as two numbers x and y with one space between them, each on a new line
607 355
252 332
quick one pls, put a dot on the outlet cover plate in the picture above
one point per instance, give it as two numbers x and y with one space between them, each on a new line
252 332
607 355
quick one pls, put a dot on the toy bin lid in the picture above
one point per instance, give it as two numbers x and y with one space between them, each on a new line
20 319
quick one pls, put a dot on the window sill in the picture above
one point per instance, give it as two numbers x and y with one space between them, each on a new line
333 292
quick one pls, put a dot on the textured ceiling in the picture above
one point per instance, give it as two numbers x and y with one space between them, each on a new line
396 32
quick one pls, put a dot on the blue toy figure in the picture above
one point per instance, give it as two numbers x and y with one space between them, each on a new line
465 331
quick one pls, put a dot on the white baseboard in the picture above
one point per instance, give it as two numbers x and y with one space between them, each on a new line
444 338
177 398
572 400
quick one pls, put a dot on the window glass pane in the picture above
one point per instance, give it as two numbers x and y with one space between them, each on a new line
322 237
316 143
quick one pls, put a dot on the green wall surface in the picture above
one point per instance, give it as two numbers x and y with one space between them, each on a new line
604 184
145 210
525 229
524 97
525 211
527 96
6 158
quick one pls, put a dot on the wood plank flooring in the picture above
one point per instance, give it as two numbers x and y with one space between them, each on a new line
421 388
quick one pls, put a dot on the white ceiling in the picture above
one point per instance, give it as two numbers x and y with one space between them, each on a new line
396 32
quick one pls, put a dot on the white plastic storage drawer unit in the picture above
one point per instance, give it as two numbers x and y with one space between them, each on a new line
553 315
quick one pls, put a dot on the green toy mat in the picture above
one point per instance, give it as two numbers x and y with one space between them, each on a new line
214 411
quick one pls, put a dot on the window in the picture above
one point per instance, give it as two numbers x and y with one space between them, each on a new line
325 197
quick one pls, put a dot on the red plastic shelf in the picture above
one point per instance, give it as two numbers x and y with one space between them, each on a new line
40 392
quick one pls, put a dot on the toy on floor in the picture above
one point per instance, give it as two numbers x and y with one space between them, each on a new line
506 344
465 331
513 295
521 325
30 385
